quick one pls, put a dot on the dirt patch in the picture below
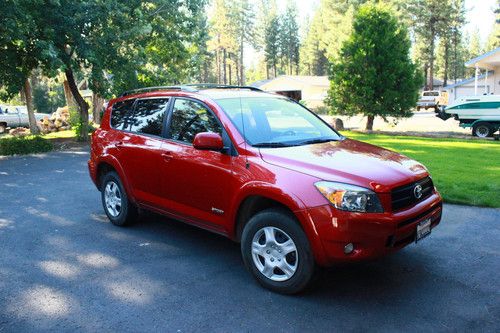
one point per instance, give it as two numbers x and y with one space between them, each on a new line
68 144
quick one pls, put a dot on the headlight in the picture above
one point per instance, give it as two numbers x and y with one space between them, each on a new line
350 197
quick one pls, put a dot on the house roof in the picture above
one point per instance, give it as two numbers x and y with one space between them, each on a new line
258 84
489 60
469 80
292 82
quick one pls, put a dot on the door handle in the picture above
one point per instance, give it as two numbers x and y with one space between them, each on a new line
167 156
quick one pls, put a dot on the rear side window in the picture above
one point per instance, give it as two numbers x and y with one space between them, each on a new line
147 117
190 118
119 112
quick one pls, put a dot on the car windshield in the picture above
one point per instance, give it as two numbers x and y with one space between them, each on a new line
276 122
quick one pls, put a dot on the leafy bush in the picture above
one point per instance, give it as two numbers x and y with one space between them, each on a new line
24 145
75 122
321 110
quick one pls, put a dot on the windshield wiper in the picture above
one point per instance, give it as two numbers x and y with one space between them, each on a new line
272 144
321 140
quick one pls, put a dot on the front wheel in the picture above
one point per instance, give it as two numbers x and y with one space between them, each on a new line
276 251
482 130
117 206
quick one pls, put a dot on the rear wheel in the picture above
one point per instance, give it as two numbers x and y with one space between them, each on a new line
276 251
482 129
117 206
3 128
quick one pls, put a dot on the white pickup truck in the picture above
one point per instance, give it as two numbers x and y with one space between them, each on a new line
15 116
432 99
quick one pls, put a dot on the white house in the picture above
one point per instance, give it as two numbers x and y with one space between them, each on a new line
486 80
310 89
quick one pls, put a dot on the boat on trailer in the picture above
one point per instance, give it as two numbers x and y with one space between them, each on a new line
481 113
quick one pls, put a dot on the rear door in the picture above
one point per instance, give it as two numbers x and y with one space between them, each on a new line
140 148
197 184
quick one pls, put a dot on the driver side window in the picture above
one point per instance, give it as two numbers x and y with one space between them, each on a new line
190 118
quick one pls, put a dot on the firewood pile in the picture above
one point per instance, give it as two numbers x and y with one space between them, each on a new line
58 121
20 132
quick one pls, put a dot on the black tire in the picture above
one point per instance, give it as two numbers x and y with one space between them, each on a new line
127 214
280 221
3 128
482 129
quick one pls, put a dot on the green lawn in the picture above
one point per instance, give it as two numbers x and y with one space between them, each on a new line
464 171
61 135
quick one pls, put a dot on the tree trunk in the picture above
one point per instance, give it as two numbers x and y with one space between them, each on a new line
97 104
224 66
83 107
446 56
455 56
426 72
70 101
242 69
369 123
29 105
430 83
217 65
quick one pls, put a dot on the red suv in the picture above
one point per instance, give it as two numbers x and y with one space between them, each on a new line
262 170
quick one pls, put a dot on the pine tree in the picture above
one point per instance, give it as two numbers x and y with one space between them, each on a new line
373 74
430 19
494 37
289 39
272 44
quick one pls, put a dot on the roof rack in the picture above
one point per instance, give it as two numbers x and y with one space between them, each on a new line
149 89
220 86
189 87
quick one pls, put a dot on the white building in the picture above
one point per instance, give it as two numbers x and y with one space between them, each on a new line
312 90
486 80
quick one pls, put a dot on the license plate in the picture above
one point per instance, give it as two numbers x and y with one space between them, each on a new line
423 229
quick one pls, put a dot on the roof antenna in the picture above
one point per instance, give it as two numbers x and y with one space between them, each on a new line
247 164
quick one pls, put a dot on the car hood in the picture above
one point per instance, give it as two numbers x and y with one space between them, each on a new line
348 161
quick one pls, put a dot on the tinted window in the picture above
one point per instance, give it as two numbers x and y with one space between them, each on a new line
147 117
119 112
190 118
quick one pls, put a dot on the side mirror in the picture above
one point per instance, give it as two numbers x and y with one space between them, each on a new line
208 141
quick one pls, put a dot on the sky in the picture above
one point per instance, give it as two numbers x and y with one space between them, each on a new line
480 14
480 17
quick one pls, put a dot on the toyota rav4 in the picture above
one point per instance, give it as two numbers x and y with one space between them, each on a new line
264 171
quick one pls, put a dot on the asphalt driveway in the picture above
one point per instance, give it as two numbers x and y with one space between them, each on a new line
64 267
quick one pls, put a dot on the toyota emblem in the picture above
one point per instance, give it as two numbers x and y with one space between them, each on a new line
417 191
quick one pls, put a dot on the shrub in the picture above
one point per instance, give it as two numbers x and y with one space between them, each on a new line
24 145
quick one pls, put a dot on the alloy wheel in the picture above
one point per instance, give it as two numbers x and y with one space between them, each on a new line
274 253
113 199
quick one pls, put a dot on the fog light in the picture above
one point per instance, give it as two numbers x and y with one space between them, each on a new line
349 248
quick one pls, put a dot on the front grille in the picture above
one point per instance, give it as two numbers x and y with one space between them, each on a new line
404 196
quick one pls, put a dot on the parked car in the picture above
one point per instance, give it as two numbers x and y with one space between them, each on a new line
481 113
15 116
262 170
432 99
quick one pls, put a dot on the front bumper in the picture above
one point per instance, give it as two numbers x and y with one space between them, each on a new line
373 235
